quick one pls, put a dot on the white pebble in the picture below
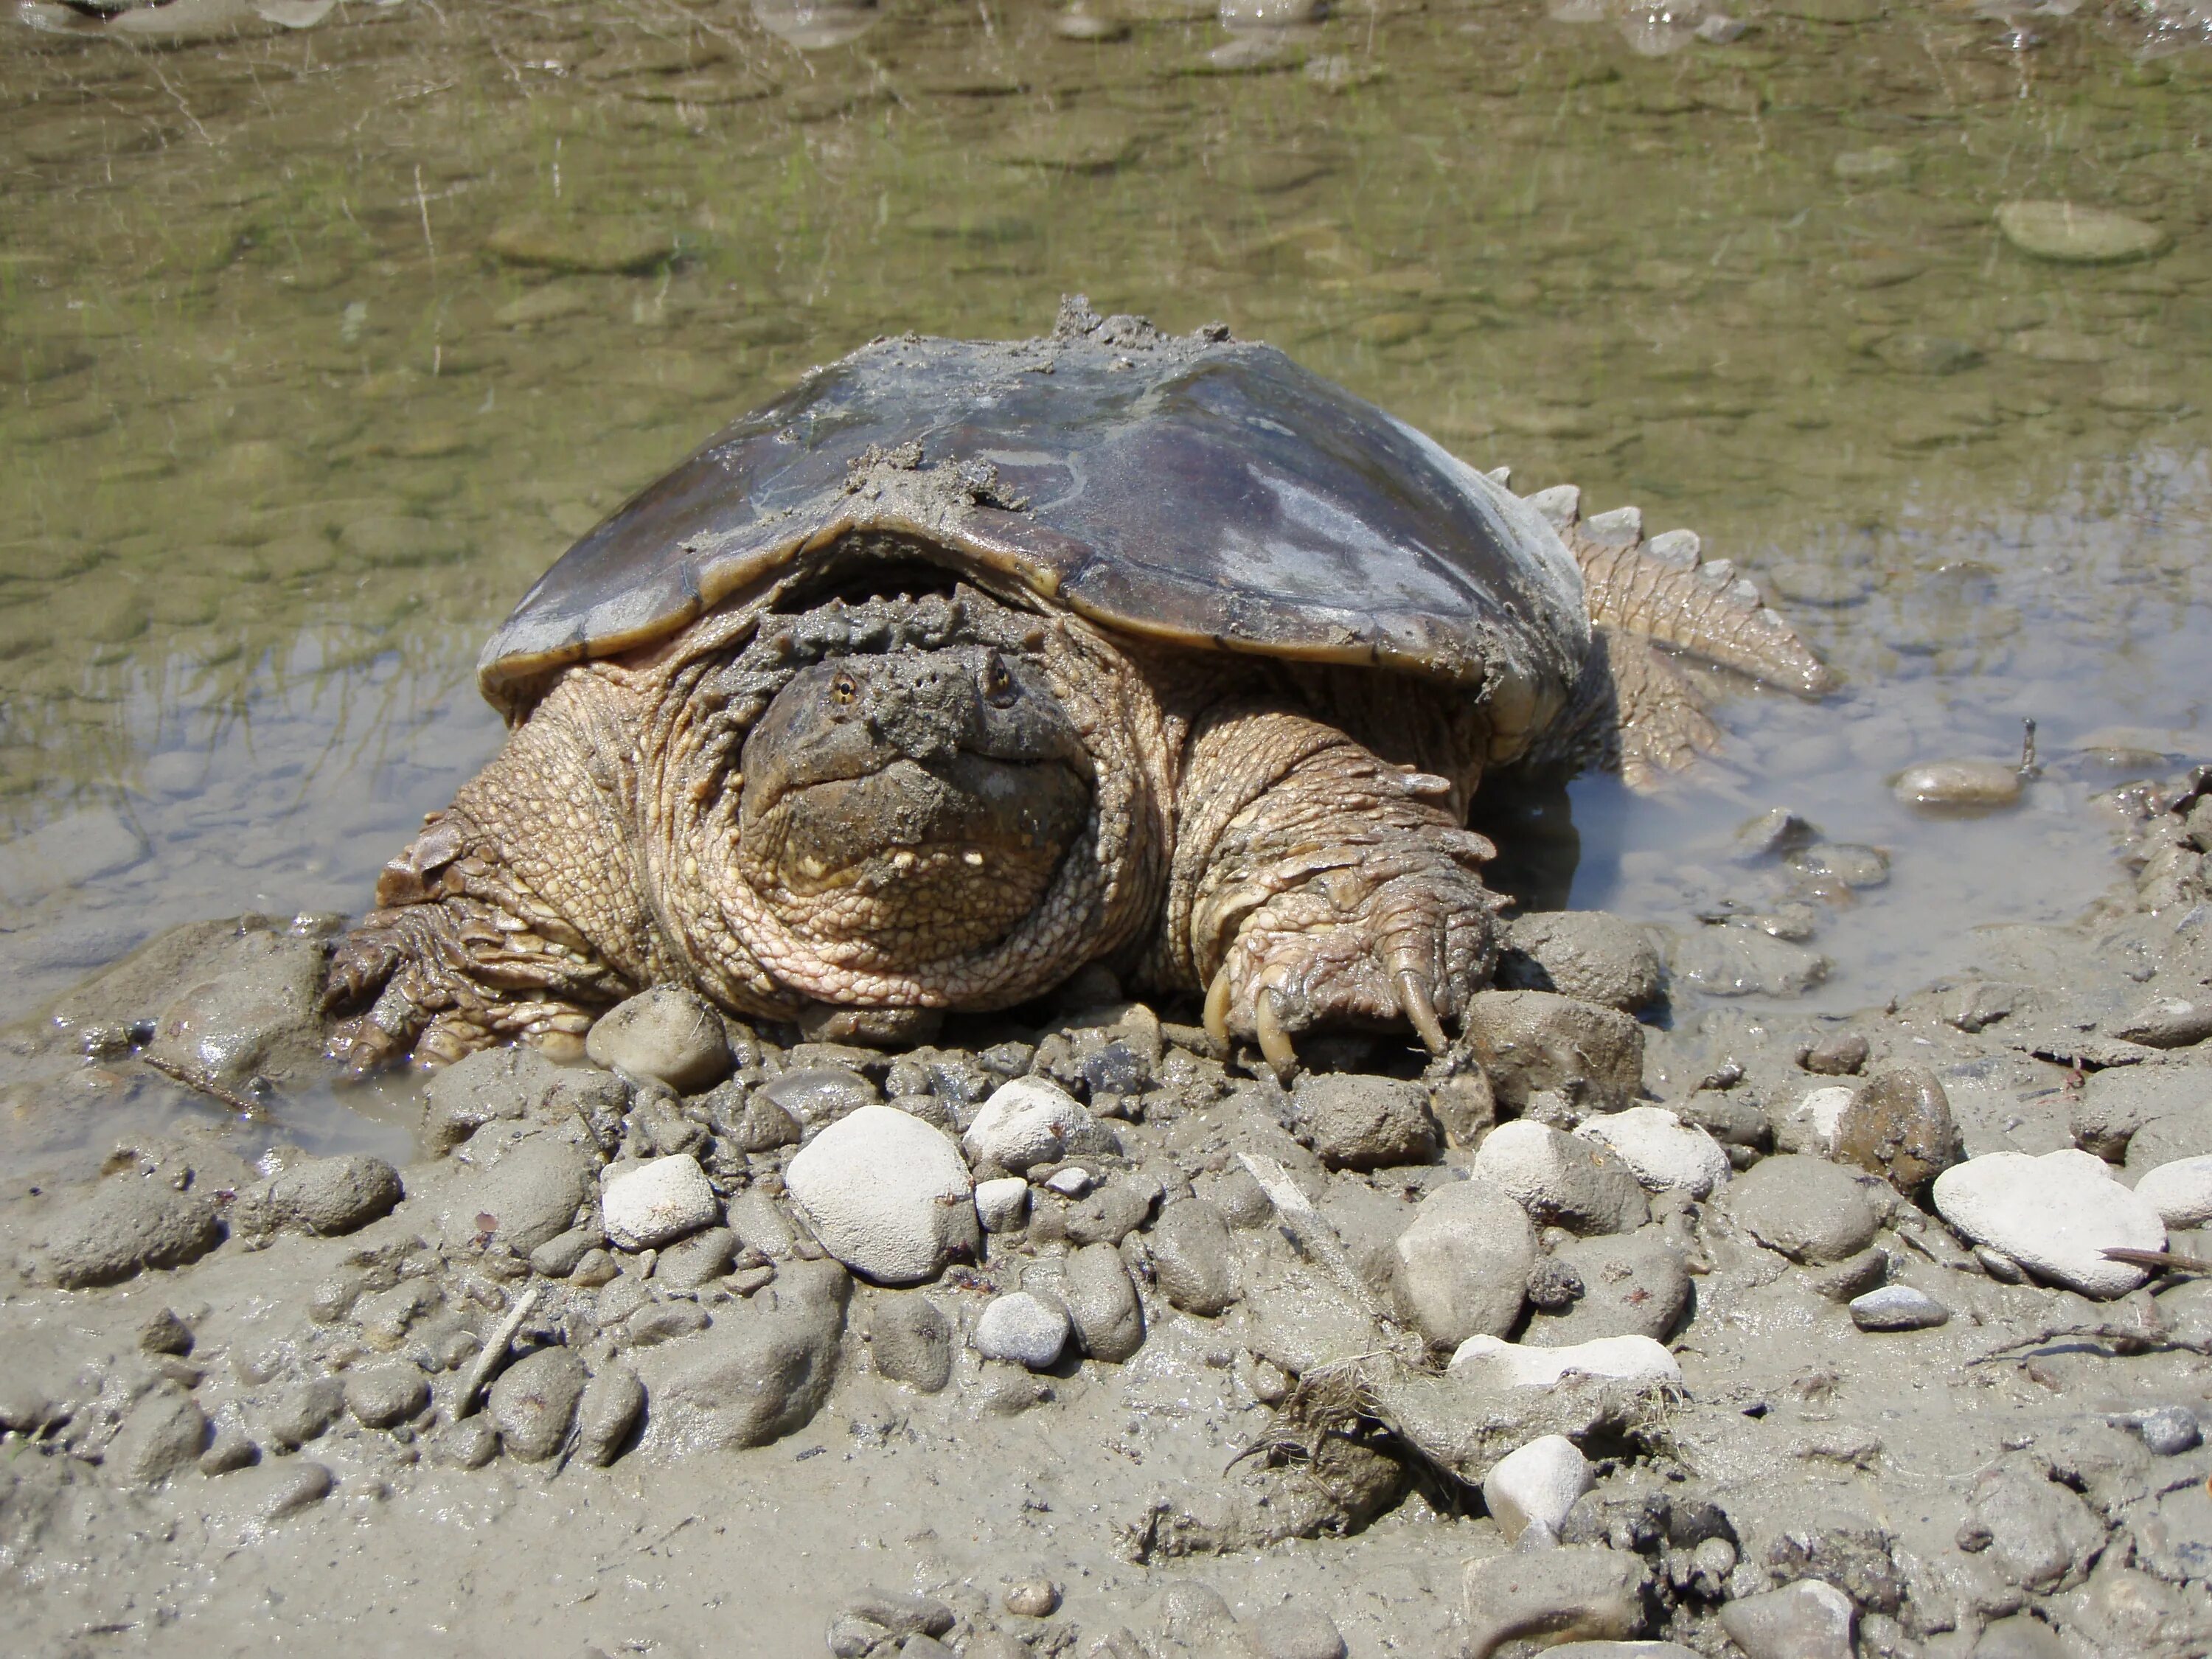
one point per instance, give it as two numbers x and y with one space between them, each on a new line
1025 1122
1818 1114
1536 1485
1665 1153
1002 1204
2181 1192
888 1195
658 1202
1024 1328
1509 1365
2055 1215
1071 1183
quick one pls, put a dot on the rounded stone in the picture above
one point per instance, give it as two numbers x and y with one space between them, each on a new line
330 1196
888 1195
1509 1364
533 1403
1026 1122
607 1413
1808 1619
2181 1192
163 1432
2070 234
2055 1215
1354 1122
1630 1285
1102 1303
1295 1631
2165 1430
1665 1154
669 1034
1578 1184
1192 1261
528 1198
1898 1308
910 1340
1805 1207
1973 785
385 1396
1033 1598
1536 1485
657 1202
1463 1262
1024 1328
1002 1204
127 1223
815 1095
1899 1126
1588 954
1839 1053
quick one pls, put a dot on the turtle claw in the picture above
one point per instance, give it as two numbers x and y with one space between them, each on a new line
1217 1008
1275 1045
1420 1011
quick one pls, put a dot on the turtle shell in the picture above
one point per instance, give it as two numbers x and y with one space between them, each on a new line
1194 489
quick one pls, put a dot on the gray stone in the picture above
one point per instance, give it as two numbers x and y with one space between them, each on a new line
161 1434
488 1086
668 1034
1196 1617
1577 1591
2119 1101
1805 1207
165 1333
2167 1022
699 1260
129 1222
303 1412
1295 1631
2168 1430
608 1413
273 1491
386 1396
323 1196
2055 1215
533 1403
1632 1285
888 1195
1898 1308
1532 1041
558 1256
2069 232
759 1224
817 1096
1731 961
529 1196
1563 1180
1002 1204
229 1448
1851 1278
663 1321
1024 1328
1899 1126
1354 1122
1462 1264
1844 863
645 1206
253 1014
749 1121
1106 1216
1192 1261
468 1444
910 1340
1586 954
1244 1203
901 1615
1029 1122
1101 1304
2038 1533
1808 1619
1839 1053
2023 1636
758 1374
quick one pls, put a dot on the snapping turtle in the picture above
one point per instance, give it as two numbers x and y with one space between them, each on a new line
964 665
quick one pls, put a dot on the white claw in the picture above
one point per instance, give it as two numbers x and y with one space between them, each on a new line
1274 1041
1414 998
1216 1009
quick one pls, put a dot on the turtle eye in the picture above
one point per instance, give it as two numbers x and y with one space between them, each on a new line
997 684
844 689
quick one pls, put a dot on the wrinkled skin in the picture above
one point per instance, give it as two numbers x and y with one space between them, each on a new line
922 803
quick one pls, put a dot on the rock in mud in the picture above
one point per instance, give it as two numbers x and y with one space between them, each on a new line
529 1196
1805 1207
303 1412
1899 1126
910 1339
1839 1053
1898 1308
1296 1631
1027 1122
166 1334
1347 1483
1772 833
1663 1152
1631 1285
1536 1485
2181 1192
1958 784
1107 1216
1728 961
1463 1262
2038 1533
646 1205
2167 1022
1101 1304
1192 1261
127 1223
163 1432
1354 1122
693 1262
888 1195
1531 1041
817 1096
384 1396
668 1034
2055 1215
252 1014
1488 1361
1575 1593
273 1491
490 1086
323 1196
2023 1636
1808 1619
1002 1204
1586 954
533 1403
756 1374
468 1444
607 1413
1024 1329
1558 1180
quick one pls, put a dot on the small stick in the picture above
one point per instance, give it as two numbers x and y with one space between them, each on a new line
2172 1261
494 1350
2029 769
206 1086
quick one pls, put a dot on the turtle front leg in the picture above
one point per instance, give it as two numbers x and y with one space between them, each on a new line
1316 883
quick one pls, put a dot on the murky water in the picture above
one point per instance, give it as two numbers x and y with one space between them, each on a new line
316 346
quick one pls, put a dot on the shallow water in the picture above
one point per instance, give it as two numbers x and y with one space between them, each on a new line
317 346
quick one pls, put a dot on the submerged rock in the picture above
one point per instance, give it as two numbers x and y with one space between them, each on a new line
2070 234
1980 785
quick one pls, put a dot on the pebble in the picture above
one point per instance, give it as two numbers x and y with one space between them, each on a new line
1854 866
1898 1308
2023 1636
165 1430
1586 954
693 1262
1355 1121
385 1396
1033 1598
323 1196
2166 1023
1536 1485
608 1413
558 1256
2038 1534
1577 1184
2055 1215
910 1340
129 1222
1002 1204
1026 1122
1805 1207
1841 1054
165 1333
1532 1040
816 1094
1294 1631
2181 1191
2073 234
594 1267
1071 1183
1899 1126
1486 1359
888 1194
1462 1263
528 1197
902 1613
751 1123
1192 1261
1578 1592
1665 1154
486 1087
1972 783
287 1488
1101 1304
1808 1619
646 1205
2168 1430
1775 831
668 1034
599 244
1628 1285
1026 1330
1810 1126
755 1378
533 1403
468 1444
1728 961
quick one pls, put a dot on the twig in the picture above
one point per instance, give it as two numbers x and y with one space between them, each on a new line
206 1086
496 1349
2170 1261
1311 1232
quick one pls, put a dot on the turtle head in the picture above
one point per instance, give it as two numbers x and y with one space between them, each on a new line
903 808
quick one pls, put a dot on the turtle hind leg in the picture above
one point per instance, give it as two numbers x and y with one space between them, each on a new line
1651 722
1664 589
